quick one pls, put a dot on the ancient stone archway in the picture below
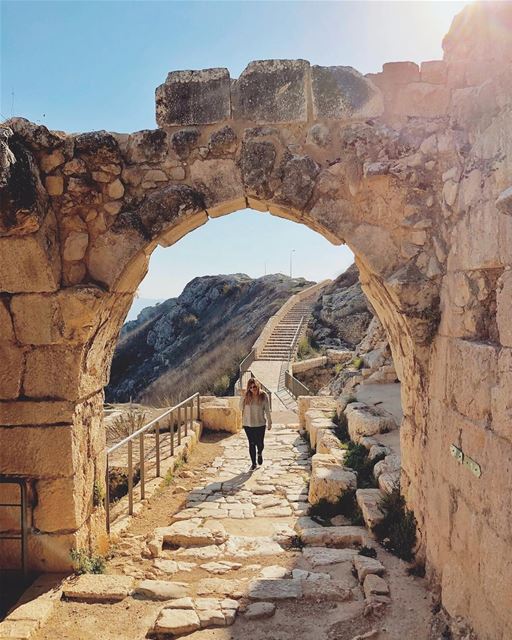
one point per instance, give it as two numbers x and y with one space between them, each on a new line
410 167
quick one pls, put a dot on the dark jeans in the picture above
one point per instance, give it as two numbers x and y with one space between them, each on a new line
256 437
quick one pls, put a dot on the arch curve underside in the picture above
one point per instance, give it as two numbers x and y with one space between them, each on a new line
410 167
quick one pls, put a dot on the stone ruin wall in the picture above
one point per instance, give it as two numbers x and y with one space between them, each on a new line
411 167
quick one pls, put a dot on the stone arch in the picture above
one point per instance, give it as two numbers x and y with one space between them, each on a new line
410 167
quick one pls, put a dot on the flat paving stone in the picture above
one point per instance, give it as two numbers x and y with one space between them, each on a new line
259 610
177 621
161 590
322 556
286 589
91 587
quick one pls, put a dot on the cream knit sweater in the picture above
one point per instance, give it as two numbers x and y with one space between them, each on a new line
256 414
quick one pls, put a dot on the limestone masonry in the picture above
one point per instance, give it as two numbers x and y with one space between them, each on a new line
411 167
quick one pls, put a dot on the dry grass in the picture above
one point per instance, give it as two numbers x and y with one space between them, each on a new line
206 376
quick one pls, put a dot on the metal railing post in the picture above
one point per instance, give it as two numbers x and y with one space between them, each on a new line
186 418
142 469
171 431
130 477
179 426
198 407
157 446
107 495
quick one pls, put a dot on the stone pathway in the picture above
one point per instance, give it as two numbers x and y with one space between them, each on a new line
241 554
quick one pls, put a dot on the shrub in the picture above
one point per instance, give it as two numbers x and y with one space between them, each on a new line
189 320
341 430
357 362
304 349
221 386
369 552
357 459
84 562
127 422
397 531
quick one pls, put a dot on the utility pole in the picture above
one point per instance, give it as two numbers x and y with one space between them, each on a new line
291 261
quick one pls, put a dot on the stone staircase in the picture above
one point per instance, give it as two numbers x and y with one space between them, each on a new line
285 336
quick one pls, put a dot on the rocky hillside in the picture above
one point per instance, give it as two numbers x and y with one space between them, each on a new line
342 315
344 320
194 342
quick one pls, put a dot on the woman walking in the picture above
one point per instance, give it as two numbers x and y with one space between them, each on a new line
255 408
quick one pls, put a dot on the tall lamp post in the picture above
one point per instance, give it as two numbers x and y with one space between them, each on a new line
291 261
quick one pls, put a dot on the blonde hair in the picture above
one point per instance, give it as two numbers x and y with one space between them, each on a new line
249 397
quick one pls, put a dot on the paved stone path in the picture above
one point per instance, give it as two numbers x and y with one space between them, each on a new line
233 556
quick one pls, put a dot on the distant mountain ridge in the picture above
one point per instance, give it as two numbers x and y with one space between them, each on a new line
195 341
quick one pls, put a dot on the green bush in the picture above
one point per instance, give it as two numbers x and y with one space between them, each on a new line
397 531
305 349
357 459
84 562
357 362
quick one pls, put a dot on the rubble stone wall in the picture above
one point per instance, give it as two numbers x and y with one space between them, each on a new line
411 167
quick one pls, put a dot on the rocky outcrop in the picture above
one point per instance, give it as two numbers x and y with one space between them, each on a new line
195 341
343 314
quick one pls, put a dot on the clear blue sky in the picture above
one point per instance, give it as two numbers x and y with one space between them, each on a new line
81 66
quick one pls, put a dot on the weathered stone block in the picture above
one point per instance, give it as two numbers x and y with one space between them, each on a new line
98 588
30 263
421 99
368 501
297 181
401 72
148 145
110 253
272 91
504 305
37 451
219 415
433 71
68 316
53 372
21 412
177 621
471 393
194 97
6 328
330 480
501 396
364 420
256 162
220 183
11 370
304 403
342 92
62 503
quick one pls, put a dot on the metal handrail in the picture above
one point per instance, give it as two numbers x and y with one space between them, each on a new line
247 361
188 409
295 338
295 386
